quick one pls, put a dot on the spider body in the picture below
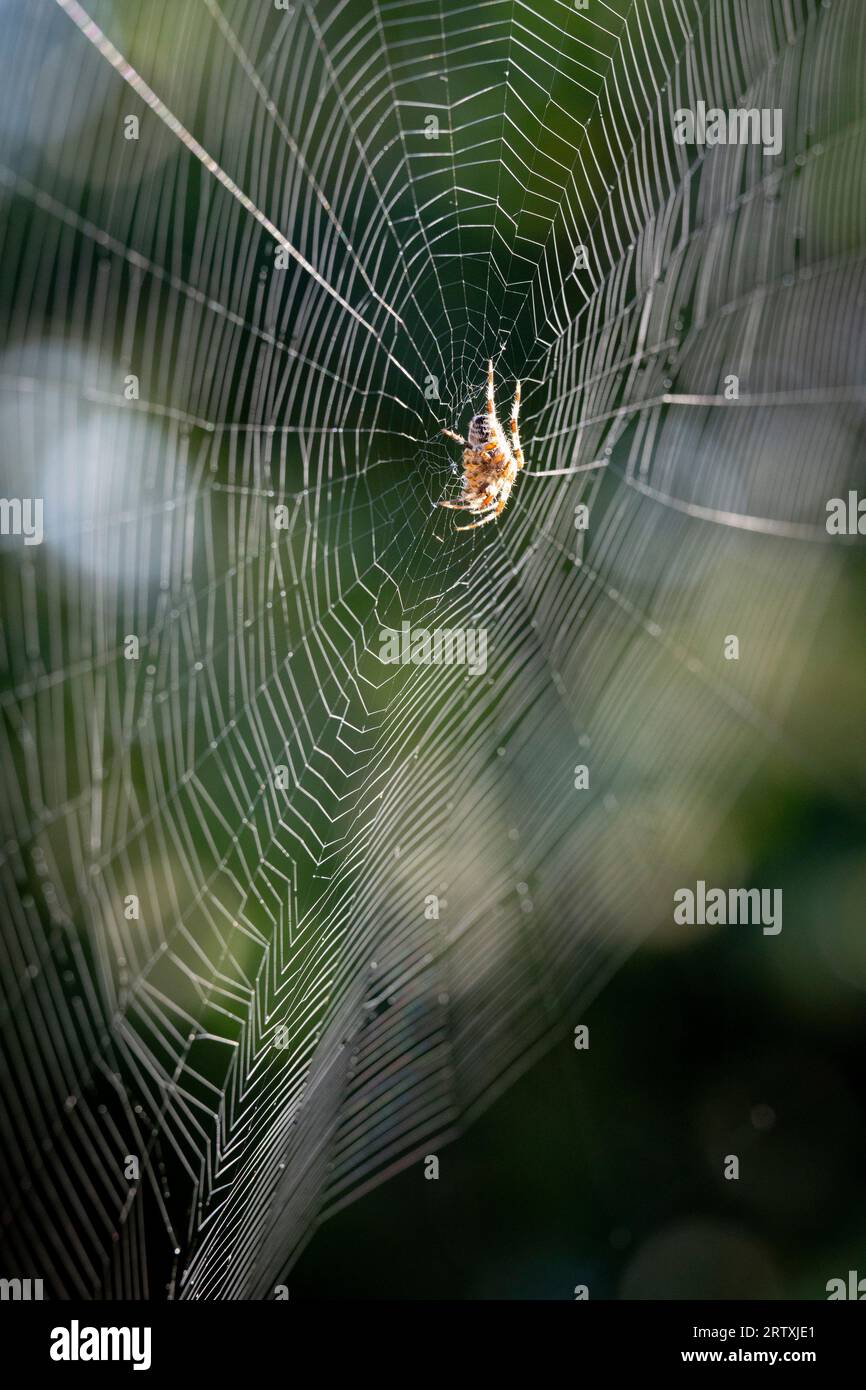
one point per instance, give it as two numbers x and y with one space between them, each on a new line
490 461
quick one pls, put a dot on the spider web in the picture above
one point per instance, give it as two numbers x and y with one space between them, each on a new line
274 298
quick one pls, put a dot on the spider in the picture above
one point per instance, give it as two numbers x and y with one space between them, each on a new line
490 464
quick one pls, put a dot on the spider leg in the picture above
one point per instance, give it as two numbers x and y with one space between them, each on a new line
491 516
471 506
515 434
457 437
491 407
488 501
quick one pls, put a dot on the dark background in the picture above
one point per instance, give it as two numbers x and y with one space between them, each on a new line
605 1167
